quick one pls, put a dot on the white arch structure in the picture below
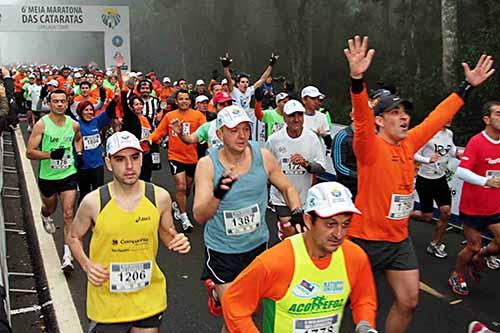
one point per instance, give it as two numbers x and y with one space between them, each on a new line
113 21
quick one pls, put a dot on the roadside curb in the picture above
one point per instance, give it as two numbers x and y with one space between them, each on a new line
64 307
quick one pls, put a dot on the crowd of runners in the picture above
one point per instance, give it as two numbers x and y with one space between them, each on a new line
237 161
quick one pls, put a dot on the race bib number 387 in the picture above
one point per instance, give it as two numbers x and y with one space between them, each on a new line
241 221
127 277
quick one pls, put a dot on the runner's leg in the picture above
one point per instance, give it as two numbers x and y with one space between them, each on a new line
49 205
441 224
180 191
68 199
405 285
474 241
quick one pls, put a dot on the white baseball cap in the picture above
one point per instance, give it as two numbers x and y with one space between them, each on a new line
231 116
139 74
201 98
311 91
77 75
281 96
200 82
122 140
53 83
132 74
329 199
293 106
223 82
166 79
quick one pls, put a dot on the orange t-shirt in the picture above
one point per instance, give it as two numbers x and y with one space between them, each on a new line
270 274
386 170
96 95
178 150
89 98
165 93
17 80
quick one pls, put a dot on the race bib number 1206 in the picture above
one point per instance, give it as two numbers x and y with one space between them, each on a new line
127 277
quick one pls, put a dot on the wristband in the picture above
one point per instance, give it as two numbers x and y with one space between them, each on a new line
464 89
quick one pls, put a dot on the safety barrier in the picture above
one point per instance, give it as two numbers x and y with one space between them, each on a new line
4 273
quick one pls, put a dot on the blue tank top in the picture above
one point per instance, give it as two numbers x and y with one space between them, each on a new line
92 146
239 225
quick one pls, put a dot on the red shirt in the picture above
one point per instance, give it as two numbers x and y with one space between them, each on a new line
481 156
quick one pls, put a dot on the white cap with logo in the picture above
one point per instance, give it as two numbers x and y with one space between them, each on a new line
200 82
53 83
311 91
293 106
231 116
329 199
122 140
166 79
281 96
201 98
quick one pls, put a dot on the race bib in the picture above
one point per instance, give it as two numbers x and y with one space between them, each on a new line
328 324
155 157
241 221
186 128
492 173
127 277
63 163
145 133
401 206
276 127
91 141
291 169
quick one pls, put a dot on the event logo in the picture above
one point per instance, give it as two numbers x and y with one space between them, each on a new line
111 18
117 41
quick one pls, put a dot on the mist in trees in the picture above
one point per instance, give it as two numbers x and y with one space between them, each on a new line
419 44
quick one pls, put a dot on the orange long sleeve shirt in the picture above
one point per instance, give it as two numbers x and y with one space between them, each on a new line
270 274
385 169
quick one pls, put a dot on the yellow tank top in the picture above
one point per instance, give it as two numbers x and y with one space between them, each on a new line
126 243
315 300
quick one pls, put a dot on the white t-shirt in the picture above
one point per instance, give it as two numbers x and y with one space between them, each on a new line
243 100
283 147
34 92
441 143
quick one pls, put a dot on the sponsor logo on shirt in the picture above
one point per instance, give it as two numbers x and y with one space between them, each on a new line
493 161
317 304
306 289
333 287
142 219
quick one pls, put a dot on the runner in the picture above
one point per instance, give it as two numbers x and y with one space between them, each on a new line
182 157
231 199
344 160
90 166
33 93
479 204
313 119
273 119
126 290
292 148
243 92
51 142
306 280
166 90
385 175
432 185
152 111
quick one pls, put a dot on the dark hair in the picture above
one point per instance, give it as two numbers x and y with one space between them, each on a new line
486 112
82 106
133 98
85 83
145 81
58 91
241 76
182 91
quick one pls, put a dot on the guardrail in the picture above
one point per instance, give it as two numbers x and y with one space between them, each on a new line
4 273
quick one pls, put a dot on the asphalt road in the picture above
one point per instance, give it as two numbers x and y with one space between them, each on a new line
187 310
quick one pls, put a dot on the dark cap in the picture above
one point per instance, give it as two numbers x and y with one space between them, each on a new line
378 93
389 102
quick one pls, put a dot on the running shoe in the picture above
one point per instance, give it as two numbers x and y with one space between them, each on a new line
437 250
493 262
458 284
177 212
213 300
474 270
48 224
67 264
477 327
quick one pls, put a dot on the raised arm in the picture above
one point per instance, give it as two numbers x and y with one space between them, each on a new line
226 61
267 72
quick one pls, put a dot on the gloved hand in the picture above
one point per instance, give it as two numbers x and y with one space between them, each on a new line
259 94
298 218
79 160
224 185
226 60
273 59
44 92
57 154
102 94
364 327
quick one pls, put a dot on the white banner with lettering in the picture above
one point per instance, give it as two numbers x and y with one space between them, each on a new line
113 21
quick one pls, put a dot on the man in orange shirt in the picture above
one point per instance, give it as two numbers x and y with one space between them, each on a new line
306 280
97 91
182 157
386 174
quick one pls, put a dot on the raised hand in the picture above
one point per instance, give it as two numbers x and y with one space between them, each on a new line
226 60
119 60
176 126
481 72
273 59
358 56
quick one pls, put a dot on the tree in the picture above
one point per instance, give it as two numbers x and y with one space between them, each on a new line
450 41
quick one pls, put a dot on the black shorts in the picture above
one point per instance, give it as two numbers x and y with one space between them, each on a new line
478 222
50 187
282 211
177 167
388 255
150 322
224 267
432 189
